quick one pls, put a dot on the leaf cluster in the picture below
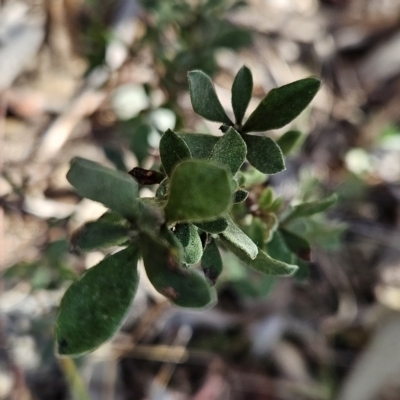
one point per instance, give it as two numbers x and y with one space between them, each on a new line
179 232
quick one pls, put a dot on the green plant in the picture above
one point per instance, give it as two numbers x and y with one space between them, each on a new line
192 215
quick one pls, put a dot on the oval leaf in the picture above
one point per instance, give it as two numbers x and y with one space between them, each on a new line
115 189
263 262
282 105
184 287
98 235
200 144
173 150
95 305
288 141
241 93
204 99
217 226
240 240
230 151
297 244
189 238
211 262
264 154
199 191
240 195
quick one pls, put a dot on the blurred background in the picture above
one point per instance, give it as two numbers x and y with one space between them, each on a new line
102 80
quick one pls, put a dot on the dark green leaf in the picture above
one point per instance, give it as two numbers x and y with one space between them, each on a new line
263 262
216 226
278 249
310 208
97 235
200 145
116 156
146 176
230 151
115 189
211 262
204 99
199 191
184 287
241 93
173 150
95 305
150 214
288 141
238 239
139 142
240 195
264 154
297 244
282 105
189 238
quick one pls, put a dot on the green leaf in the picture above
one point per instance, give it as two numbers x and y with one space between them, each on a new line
240 196
266 198
211 262
95 305
310 208
264 154
200 144
204 99
230 151
98 234
263 262
278 249
184 287
288 141
115 189
282 105
297 244
189 238
214 227
173 150
199 191
162 190
241 93
239 240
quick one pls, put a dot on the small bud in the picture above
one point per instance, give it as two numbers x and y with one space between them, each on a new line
146 176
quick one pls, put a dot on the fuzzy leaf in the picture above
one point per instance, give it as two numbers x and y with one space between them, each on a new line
263 262
98 234
162 190
230 151
282 105
241 93
95 305
264 154
278 249
115 189
184 287
200 145
211 262
240 240
310 208
240 196
173 150
204 99
214 227
288 141
189 238
199 191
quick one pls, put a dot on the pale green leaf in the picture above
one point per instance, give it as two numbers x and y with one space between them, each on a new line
199 191
115 189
